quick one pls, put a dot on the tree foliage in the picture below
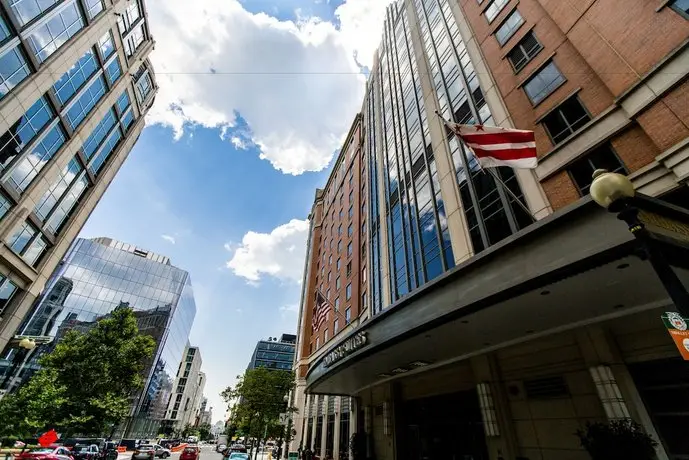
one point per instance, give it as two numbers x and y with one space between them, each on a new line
85 384
259 398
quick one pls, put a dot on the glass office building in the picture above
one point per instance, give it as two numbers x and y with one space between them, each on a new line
274 354
97 277
75 84
422 60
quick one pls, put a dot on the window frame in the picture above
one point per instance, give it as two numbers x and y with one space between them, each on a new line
519 46
514 29
556 111
622 169
536 74
672 5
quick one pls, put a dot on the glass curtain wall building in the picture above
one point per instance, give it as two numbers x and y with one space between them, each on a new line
421 67
98 276
75 83
273 354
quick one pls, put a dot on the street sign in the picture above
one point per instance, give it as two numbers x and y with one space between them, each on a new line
284 419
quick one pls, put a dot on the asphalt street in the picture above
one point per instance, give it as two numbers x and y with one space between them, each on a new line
207 453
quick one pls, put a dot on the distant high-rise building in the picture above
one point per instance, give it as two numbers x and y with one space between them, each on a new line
75 85
96 277
185 403
274 353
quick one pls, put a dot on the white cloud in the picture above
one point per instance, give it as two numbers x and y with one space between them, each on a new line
297 85
279 253
291 308
168 238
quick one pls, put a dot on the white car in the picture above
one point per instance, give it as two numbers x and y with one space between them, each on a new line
220 447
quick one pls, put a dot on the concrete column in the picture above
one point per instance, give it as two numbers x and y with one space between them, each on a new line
324 427
616 389
353 421
336 428
534 195
299 417
500 435
449 190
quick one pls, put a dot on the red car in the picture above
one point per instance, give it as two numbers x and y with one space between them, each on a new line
46 453
190 453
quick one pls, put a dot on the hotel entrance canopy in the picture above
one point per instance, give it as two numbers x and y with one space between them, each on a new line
578 266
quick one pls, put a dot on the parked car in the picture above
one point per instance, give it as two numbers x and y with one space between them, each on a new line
240 448
190 453
85 452
238 456
144 452
46 453
220 447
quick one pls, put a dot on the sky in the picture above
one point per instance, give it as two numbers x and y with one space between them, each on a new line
255 99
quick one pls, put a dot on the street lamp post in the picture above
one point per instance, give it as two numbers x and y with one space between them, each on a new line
614 192
24 346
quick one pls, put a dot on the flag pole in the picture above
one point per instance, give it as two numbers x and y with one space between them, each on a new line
483 170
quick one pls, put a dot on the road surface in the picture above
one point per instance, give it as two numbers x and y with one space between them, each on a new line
207 453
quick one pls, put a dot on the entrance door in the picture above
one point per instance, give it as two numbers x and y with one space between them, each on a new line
446 427
664 387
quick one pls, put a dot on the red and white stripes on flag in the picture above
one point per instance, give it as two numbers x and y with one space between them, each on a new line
320 311
494 146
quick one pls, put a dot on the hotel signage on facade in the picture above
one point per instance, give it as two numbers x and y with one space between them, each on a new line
349 346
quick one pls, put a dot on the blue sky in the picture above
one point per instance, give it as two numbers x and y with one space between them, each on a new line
224 175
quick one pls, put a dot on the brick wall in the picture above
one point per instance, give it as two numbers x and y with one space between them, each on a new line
560 190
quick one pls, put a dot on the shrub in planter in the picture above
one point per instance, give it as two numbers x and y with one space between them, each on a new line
617 440
357 445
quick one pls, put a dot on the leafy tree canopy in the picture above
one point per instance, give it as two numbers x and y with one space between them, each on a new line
85 384
259 398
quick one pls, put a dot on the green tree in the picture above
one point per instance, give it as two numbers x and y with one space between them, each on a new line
205 432
259 398
85 385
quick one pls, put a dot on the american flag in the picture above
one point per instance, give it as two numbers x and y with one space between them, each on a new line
495 146
320 311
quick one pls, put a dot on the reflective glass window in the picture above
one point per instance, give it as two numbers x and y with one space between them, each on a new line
348 291
35 250
58 188
85 102
5 205
129 17
509 27
26 10
13 70
49 37
98 134
348 315
123 102
127 119
106 45
680 6
7 290
4 30
113 71
144 85
93 7
70 82
105 151
24 130
21 237
43 151
66 205
494 9
134 40
547 80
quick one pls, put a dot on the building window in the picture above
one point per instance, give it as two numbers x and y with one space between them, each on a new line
318 343
123 102
29 167
5 205
541 85
351 197
509 27
113 71
602 157
28 242
363 301
338 283
337 304
494 8
13 69
336 326
26 10
49 37
325 335
350 230
339 246
7 290
351 212
93 7
24 130
341 214
60 214
85 102
348 291
524 51
349 250
72 80
106 45
330 259
329 276
144 86
51 196
349 269
108 146
566 119
337 264
327 294
98 134
348 315
126 20
680 6
363 275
